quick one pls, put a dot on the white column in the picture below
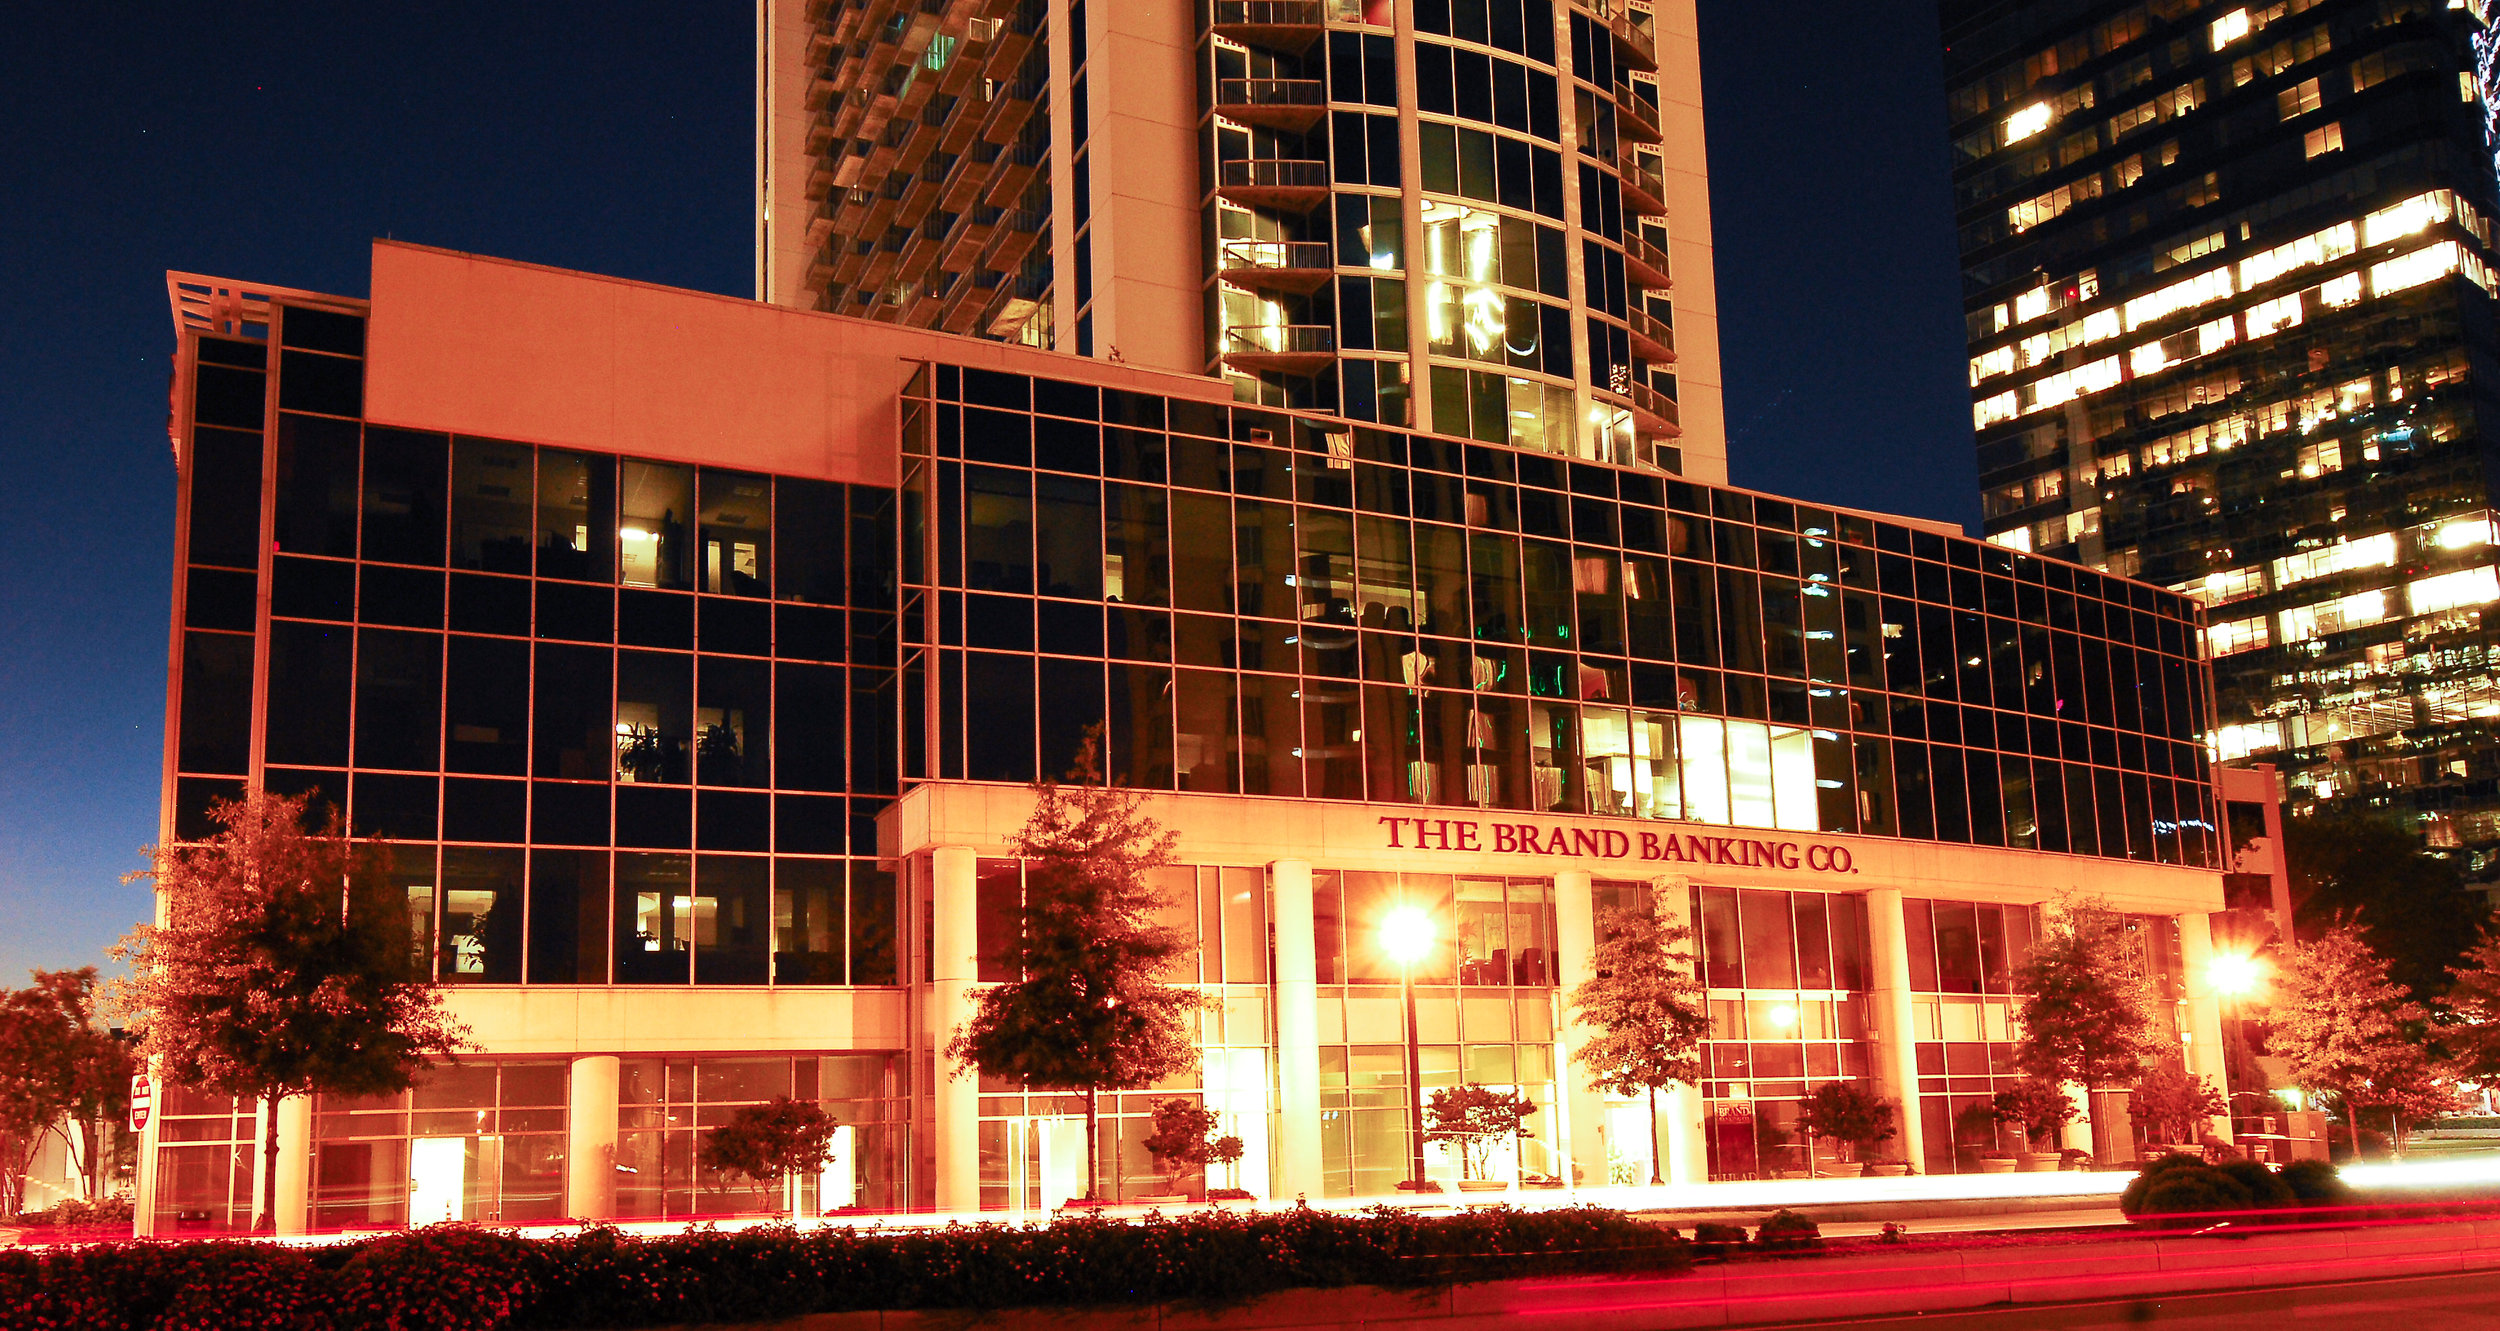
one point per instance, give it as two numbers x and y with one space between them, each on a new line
294 1163
954 967
1298 1159
1584 1108
145 1180
1894 1030
1680 1110
590 1137
2200 1018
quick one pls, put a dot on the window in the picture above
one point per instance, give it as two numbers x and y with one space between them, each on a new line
2238 635
2323 140
2299 100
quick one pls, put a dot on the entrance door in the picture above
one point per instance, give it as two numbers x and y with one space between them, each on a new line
1059 1160
438 1169
837 1188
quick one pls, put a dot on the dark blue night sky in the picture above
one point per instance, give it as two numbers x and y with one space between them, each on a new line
271 141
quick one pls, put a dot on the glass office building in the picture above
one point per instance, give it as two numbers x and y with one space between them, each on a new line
697 656
1487 219
2228 278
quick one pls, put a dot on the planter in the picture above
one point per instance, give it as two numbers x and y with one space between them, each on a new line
1888 1169
1843 1169
1483 1185
1997 1164
1156 1199
2042 1162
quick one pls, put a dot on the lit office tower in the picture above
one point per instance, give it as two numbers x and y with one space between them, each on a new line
1488 218
2228 279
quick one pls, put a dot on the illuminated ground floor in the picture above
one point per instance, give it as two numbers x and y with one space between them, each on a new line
1827 957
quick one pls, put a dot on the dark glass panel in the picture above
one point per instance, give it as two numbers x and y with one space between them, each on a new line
657 817
229 397
568 925
583 614
810 734
404 499
486 706
809 633
1139 752
1722 942
576 723
808 531
1919 926
326 384
483 604
998 530
309 668
1202 539
216 598
1271 735
999 745
1136 558
655 619
1958 968
399 807
493 520
1205 718
323 330
316 486
1067 520
399 699
737 627
408 597
225 499
312 588
1770 940
485 810
565 813
216 733
1263 546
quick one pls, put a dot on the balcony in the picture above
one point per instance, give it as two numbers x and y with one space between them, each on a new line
1653 412
1298 266
1652 339
1275 25
1291 106
1289 348
1633 44
1644 190
1636 117
1279 184
1645 262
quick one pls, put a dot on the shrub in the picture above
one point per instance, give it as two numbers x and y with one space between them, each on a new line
2316 1183
462 1278
2265 1188
1785 1230
2181 1185
1712 1236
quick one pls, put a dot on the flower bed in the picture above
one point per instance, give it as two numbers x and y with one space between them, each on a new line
462 1278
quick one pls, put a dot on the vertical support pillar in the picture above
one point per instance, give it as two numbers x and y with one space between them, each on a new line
1680 1110
2200 1017
1895 1028
1299 1166
1584 1109
954 971
590 1103
294 1201
144 1179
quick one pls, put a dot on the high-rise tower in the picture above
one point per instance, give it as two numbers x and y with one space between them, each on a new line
2228 276
1484 217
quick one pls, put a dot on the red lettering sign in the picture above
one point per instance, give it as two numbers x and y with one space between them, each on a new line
1467 834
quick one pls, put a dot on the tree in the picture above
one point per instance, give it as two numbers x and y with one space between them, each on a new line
284 967
1476 1116
2037 1106
1086 1009
59 1074
2177 1103
1846 1111
2412 906
2087 1014
1648 1009
772 1142
2350 1031
2472 1039
1186 1138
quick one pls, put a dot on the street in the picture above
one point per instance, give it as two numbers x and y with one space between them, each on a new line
2459 1302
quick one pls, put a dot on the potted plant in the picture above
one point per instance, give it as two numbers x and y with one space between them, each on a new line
1184 1141
2176 1104
773 1145
1848 1113
2039 1108
1475 1117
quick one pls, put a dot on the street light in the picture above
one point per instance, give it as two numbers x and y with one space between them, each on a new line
1406 935
2234 976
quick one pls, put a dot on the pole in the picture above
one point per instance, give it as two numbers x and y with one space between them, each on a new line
1414 1082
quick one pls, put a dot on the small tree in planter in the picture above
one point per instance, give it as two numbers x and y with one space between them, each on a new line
1847 1112
2176 1103
1647 1009
2039 1108
772 1144
1475 1117
1185 1139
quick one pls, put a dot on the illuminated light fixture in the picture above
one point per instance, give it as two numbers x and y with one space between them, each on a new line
2028 121
2235 975
1406 935
1784 1016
